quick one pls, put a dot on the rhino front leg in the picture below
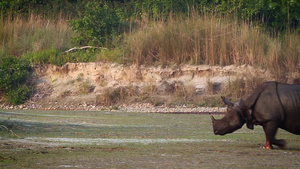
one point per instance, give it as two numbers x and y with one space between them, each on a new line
270 129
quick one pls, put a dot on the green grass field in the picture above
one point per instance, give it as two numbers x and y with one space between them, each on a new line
101 139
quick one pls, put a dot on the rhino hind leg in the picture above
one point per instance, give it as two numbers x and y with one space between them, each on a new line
268 145
280 143
296 129
270 129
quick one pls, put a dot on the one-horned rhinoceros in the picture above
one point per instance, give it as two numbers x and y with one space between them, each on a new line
272 105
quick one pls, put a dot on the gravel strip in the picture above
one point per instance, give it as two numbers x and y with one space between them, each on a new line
138 107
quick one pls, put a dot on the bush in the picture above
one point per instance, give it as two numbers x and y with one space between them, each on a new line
13 73
18 95
98 26
56 57
44 57
87 55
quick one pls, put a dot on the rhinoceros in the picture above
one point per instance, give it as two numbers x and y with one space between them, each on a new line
272 105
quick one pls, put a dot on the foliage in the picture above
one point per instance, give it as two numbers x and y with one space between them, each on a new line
98 26
101 22
18 95
111 55
56 57
44 57
163 8
48 8
274 14
87 55
13 73
278 14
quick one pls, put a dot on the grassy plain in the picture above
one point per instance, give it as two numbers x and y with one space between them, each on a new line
102 139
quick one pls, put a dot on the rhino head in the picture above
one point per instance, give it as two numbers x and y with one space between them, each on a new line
232 120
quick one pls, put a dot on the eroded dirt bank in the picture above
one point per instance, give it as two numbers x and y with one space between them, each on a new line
90 85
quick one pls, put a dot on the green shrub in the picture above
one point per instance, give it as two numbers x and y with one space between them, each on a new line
13 73
111 55
56 57
18 95
45 57
87 55
98 26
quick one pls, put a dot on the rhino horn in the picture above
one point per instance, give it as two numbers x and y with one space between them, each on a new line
227 102
212 118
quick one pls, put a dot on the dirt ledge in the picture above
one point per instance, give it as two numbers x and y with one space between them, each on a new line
77 86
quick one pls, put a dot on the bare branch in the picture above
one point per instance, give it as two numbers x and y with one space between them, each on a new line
83 47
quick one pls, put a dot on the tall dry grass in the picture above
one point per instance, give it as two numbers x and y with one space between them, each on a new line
203 39
196 39
20 35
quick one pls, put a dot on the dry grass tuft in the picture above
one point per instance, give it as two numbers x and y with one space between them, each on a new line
202 39
113 96
85 88
20 35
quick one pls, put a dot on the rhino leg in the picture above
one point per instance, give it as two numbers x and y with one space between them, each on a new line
270 129
268 145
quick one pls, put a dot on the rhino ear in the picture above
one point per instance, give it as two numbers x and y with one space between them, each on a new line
227 102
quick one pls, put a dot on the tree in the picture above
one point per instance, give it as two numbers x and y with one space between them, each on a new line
98 26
